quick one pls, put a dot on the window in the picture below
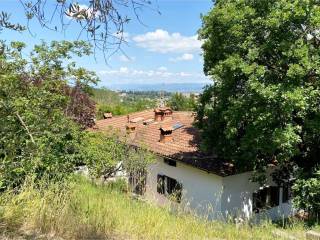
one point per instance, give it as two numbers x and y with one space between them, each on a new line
169 187
265 198
287 191
170 162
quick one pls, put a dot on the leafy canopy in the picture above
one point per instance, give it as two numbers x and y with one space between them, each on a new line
37 135
263 107
179 102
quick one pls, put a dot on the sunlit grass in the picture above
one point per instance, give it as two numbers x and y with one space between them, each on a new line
83 210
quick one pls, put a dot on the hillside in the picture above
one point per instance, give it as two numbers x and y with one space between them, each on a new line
87 211
121 103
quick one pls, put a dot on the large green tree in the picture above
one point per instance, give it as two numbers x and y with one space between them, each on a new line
264 104
179 102
39 99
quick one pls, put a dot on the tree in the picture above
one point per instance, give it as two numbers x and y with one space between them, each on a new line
106 154
307 194
263 107
179 102
101 21
102 154
37 135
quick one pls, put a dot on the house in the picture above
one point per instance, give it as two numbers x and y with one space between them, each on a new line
184 176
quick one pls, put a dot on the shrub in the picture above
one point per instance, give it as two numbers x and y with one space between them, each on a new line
307 194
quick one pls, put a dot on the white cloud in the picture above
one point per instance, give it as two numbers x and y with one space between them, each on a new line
184 74
161 74
163 42
183 57
162 68
123 70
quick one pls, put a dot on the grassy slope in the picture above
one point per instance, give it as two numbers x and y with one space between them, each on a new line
84 210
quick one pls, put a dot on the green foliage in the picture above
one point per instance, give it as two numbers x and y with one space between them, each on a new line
264 104
179 102
110 101
118 185
116 110
104 96
137 159
102 153
307 194
105 154
82 210
39 110
37 135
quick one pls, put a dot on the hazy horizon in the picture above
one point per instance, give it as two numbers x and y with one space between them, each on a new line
168 87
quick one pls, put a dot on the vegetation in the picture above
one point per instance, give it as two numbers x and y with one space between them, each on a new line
264 104
37 106
133 101
98 20
307 194
82 210
105 154
122 104
180 102
42 117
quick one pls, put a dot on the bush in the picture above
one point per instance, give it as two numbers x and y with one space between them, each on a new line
307 194
102 153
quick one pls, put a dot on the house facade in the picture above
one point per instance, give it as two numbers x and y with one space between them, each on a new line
217 197
185 177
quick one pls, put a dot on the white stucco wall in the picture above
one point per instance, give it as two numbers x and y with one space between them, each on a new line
210 195
201 191
237 198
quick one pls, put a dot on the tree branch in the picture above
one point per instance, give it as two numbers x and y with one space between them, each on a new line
25 127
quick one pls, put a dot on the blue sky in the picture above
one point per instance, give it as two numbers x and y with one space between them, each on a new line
164 50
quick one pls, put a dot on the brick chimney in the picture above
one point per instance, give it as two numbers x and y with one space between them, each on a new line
131 127
166 134
107 115
161 114
131 130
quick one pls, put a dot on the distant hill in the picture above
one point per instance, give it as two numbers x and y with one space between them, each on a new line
105 96
172 87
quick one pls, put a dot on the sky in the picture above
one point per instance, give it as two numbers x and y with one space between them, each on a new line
163 49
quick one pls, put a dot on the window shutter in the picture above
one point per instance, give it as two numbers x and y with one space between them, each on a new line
255 200
274 192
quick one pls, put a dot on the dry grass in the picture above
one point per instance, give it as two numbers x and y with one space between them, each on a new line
82 210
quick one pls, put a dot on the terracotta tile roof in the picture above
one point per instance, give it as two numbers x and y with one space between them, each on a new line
185 144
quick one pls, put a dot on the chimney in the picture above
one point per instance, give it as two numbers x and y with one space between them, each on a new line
166 134
161 114
168 113
131 130
157 115
131 127
107 115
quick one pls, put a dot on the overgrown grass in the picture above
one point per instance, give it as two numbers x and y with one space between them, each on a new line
82 210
